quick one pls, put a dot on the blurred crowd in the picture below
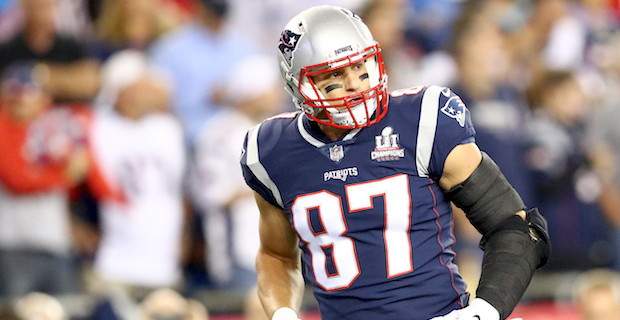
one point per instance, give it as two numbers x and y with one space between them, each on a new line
121 124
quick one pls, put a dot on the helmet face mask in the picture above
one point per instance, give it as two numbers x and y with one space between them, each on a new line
323 40
350 111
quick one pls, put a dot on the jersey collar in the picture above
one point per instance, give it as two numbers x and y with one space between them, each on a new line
316 138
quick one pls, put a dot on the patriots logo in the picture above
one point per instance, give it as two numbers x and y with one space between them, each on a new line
455 109
288 44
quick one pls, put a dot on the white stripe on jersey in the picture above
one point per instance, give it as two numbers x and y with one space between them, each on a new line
257 168
308 137
426 129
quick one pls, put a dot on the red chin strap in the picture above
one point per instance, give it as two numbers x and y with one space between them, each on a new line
361 99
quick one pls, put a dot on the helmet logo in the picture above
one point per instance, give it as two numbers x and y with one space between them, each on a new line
288 45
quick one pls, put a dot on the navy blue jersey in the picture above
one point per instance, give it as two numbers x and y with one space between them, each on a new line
375 229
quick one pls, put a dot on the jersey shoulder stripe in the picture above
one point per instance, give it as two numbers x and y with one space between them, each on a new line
442 122
260 141
426 129
256 167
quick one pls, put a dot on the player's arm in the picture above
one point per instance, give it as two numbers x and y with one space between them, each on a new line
20 176
278 264
462 161
515 242
75 80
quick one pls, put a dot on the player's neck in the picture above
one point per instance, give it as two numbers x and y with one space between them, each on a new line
332 133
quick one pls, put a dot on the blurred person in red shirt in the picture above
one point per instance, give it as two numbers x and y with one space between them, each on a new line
42 156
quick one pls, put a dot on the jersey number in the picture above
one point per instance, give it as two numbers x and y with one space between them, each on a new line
332 237
408 91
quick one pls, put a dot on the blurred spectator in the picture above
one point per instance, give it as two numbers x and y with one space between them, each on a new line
497 108
603 143
407 65
227 205
597 294
528 39
559 35
565 47
132 24
139 151
429 24
39 306
579 32
70 74
565 187
71 17
42 157
197 56
169 304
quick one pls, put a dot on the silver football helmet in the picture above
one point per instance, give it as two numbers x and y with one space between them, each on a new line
323 39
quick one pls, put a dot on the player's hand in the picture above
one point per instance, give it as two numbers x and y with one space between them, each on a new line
77 166
478 309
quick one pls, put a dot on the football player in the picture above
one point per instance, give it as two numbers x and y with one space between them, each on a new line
355 195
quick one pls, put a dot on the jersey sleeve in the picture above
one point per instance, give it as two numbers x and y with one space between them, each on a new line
20 176
453 126
254 172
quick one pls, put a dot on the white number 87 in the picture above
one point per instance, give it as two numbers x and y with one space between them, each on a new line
397 217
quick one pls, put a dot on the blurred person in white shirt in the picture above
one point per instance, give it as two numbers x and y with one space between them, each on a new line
139 150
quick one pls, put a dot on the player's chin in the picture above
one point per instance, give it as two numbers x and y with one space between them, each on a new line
322 115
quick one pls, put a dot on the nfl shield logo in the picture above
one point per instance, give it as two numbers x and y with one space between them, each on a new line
336 153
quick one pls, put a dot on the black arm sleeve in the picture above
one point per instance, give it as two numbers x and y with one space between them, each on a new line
510 259
513 247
